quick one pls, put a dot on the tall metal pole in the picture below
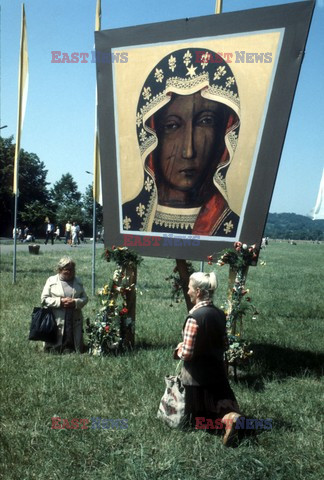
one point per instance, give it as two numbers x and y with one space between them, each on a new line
94 245
14 265
93 273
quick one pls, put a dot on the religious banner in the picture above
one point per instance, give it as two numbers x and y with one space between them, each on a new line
192 120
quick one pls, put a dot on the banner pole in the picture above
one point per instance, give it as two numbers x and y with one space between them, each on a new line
94 247
96 166
219 6
14 266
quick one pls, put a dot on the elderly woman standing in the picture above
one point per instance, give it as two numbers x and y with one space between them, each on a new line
65 294
210 401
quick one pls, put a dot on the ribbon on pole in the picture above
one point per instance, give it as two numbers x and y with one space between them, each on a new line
22 94
96 191
22 100
96 157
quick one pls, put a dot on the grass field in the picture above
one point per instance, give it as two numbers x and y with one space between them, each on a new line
282 382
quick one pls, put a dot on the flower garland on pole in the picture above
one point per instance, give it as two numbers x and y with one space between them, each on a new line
239 302
113 327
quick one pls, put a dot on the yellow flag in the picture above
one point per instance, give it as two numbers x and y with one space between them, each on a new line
96 156
22 94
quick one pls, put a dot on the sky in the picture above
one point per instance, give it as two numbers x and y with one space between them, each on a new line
59 120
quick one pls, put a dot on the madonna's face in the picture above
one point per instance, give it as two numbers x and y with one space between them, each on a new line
190 132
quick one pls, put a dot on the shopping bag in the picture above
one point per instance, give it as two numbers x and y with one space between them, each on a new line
43 325
172 405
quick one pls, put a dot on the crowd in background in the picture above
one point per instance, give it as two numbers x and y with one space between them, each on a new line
73 234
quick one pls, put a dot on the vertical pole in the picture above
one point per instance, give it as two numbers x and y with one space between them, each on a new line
219 6
14 265
131 274
94 247
184 276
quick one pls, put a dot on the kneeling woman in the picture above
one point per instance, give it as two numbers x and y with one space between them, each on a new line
65 294
210 400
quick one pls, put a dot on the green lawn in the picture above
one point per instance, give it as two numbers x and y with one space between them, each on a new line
282 382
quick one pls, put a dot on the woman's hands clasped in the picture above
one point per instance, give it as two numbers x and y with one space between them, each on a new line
67 302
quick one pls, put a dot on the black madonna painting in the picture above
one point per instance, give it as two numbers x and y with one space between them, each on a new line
187 127
192 120
186 152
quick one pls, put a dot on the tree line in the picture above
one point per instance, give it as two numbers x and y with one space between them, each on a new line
37 201
294 227
63 202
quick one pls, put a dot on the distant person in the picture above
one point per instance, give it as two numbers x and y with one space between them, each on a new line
75 234
68 231
208 394
82 237
77 228
26 231
29 238
57 233
65 294
49 233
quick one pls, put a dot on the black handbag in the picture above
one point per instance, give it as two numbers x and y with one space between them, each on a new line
43 325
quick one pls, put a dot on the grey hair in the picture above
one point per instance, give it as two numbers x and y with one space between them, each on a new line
64 261
206 282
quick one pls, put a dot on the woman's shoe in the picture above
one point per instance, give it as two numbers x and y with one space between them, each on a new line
231 437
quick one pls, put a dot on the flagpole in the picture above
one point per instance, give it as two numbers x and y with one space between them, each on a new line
14 266
22 96
95 187
218 9
219 6
94 243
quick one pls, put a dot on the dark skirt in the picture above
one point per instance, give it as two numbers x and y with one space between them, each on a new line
68 337
209 402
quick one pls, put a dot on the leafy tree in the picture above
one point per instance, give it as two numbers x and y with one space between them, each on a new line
67 200
34 216
32 184
88 211
65 190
